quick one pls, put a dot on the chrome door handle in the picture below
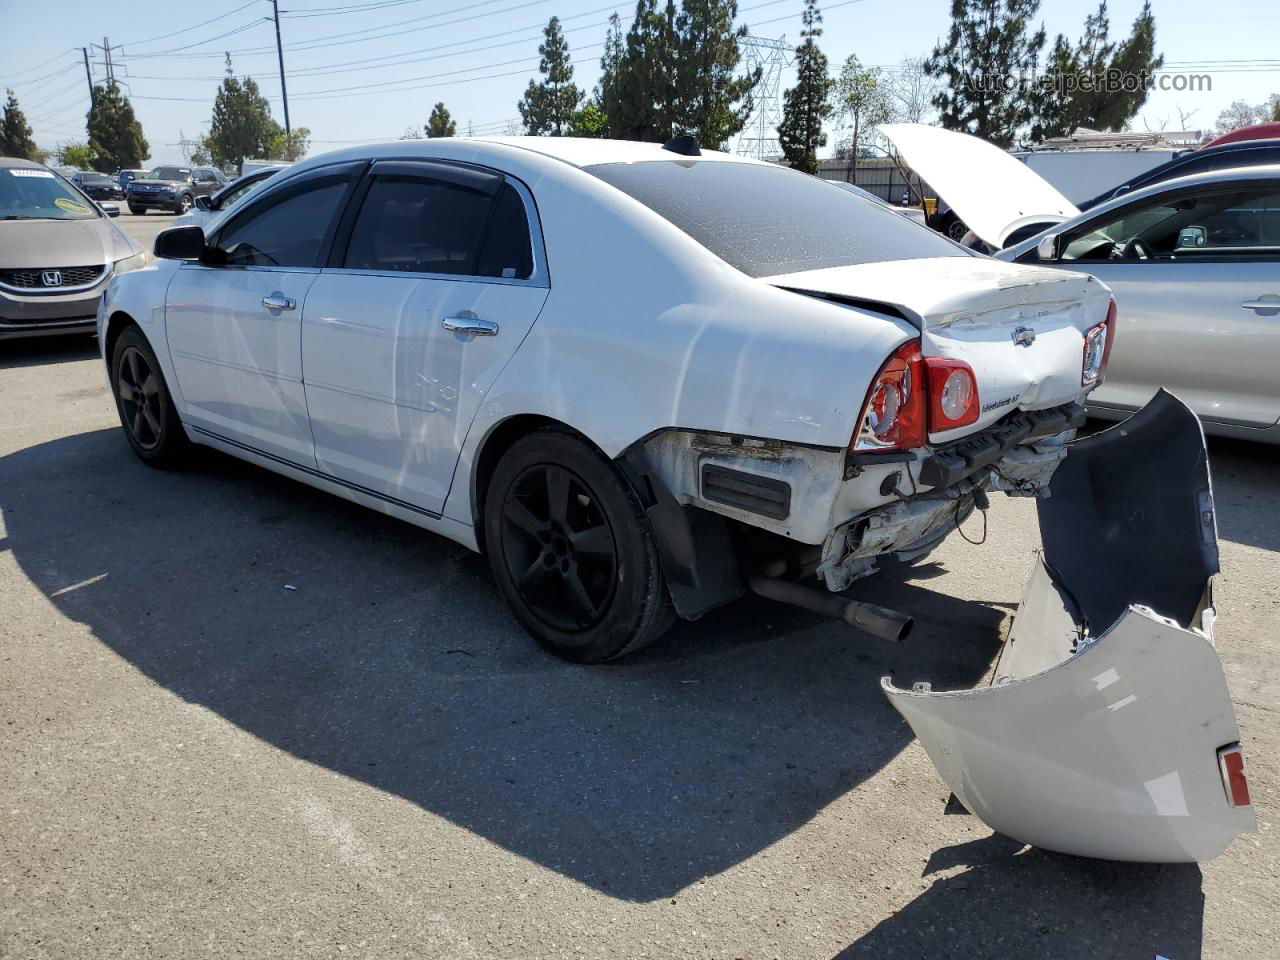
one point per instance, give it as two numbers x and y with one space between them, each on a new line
471 325
277 302
1268 303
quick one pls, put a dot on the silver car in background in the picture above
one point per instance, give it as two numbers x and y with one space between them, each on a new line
57 252
1193 263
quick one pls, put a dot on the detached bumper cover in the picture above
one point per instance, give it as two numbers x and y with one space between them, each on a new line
1100 733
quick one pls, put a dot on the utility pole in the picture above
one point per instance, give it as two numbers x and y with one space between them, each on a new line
284 92
88 75
106 49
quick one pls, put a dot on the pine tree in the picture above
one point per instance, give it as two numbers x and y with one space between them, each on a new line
714 104
114 132
806 104
548 107
644 105
440 124
609 88
988 53
1136 58
241 125
15 132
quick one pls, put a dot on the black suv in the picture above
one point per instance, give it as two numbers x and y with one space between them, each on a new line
173 188
99 186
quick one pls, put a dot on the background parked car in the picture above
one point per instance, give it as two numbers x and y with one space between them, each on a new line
1233 153
99 186
207 208
173 188
125 177
57 252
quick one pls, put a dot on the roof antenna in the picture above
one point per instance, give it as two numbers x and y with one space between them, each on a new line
686 145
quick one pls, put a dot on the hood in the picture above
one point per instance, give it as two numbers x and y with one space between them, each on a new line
938 291
991 191
62 243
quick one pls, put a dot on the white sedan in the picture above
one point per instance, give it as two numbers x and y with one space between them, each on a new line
644 379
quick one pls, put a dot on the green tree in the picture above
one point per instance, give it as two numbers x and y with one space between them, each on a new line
861 101
806 105
440 124
291 146
80 155
15 132
988 53
609 88
241 126
590 120
714 103
643 104
1097 84
1240 113
114 132
548 106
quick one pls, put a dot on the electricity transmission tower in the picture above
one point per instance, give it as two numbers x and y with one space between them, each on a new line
759 138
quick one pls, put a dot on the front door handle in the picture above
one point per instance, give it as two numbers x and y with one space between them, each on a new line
279 302
472 325
1268 304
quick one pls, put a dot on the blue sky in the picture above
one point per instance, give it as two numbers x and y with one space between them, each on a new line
478 56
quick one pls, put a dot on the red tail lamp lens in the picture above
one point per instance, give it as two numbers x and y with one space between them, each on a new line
893 415
1231 766
953 394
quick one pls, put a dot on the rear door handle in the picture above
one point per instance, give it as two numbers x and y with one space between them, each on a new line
472 325
1268 303
278 302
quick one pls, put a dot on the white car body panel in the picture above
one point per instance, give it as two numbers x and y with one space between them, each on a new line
963 168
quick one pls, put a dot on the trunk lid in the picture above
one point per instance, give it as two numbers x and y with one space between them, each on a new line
1020 328
991 191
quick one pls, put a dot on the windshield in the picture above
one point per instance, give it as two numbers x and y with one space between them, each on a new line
95 178
770 220
28 193
168 173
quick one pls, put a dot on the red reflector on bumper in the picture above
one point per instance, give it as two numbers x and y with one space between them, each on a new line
1231 765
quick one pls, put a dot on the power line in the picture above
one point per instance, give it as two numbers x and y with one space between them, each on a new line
199 43
194 26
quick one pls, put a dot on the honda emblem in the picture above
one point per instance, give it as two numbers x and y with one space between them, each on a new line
51 278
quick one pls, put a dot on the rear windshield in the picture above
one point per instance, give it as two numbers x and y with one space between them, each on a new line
768 220
31 193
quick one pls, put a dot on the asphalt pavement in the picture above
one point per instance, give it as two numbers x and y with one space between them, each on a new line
241 717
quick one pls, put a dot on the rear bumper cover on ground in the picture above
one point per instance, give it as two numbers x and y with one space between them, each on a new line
1099 735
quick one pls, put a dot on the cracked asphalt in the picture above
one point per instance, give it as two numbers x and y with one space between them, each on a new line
196 760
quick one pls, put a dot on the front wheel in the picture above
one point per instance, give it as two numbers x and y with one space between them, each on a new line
571 550
184 204
146 408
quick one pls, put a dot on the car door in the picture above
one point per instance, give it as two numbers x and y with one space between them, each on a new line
435 279
1194 301
205 182
234 322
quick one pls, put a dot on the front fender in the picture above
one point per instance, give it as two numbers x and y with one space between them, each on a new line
1101 732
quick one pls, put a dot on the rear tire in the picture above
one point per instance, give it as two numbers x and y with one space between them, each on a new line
137 211
571 550
147 414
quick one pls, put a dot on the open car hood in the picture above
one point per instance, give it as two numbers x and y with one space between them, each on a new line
1107 730
991 191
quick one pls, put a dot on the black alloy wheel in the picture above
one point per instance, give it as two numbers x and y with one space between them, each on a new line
141 410
558 547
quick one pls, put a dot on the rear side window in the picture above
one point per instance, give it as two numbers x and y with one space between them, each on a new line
768 220
507 251
418 225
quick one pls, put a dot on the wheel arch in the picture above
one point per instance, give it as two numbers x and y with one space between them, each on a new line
116 324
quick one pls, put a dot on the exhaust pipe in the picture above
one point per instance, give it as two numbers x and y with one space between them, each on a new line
870 618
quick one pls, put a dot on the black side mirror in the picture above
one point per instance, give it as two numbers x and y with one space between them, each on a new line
203 202
180 243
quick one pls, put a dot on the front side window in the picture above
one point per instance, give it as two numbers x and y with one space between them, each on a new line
768 220
286 229
1218 222
418 225
32 193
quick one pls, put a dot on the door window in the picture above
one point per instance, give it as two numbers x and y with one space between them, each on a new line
287 228
507 251
1215 223
418 225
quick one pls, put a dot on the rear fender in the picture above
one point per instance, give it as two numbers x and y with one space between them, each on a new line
1099 735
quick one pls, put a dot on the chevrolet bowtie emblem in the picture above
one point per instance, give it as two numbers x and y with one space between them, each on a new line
1024 336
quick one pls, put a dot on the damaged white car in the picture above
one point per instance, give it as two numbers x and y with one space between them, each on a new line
643 380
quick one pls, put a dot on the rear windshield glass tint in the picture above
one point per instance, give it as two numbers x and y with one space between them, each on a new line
768 220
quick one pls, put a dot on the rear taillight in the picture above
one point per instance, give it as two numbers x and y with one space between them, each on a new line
913 396
1097 349
893 415
1231 766
953 394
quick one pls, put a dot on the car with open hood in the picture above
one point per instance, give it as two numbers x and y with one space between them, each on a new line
645 379
57 253
1193 262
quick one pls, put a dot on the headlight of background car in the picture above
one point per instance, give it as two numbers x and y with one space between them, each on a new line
136 262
